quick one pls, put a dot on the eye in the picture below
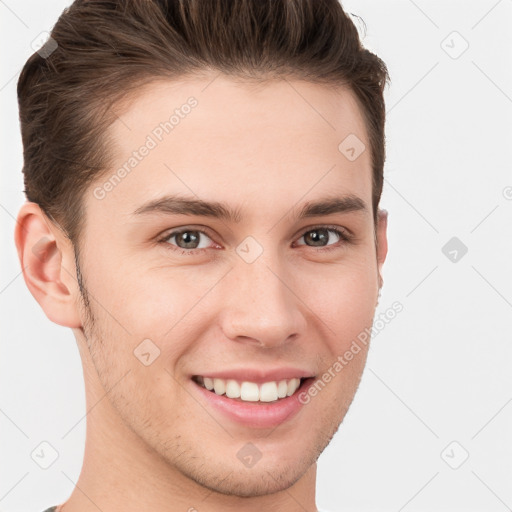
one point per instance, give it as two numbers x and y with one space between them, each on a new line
319 236
189 240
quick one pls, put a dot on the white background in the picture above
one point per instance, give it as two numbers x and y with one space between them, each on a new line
439 372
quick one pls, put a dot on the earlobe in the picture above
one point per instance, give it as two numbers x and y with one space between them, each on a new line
46 258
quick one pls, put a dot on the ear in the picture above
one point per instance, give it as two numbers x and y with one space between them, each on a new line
381 239
48 265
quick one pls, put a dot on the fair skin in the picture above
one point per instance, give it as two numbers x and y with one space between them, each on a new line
154 442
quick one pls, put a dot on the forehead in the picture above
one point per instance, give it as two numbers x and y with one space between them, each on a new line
260 145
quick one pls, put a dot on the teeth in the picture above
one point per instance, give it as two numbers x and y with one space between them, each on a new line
232 389
292 387
268 392
282 389
219 386
250 391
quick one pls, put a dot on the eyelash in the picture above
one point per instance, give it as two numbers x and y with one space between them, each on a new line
346 238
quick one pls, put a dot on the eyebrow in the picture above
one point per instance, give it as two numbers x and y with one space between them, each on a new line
179 205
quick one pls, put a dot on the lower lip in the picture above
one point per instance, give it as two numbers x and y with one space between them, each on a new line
256 414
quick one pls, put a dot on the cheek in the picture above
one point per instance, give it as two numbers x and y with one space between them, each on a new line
164 305
166 298
145 300
344 299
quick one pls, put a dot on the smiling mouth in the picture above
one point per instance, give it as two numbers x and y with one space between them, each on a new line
246 391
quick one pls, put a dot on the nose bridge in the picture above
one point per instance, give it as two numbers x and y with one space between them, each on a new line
261 304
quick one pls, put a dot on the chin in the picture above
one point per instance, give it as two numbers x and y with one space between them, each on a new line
268 476
252 482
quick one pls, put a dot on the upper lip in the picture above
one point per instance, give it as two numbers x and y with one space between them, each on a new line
258 376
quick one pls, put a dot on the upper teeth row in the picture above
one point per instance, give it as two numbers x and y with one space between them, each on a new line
250 391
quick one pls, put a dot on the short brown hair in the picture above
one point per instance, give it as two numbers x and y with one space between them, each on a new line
106 49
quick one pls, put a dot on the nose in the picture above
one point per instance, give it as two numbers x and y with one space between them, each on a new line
263 305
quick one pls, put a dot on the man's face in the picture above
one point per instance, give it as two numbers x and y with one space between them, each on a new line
267 297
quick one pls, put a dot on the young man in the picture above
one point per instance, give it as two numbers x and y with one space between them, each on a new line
203 182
